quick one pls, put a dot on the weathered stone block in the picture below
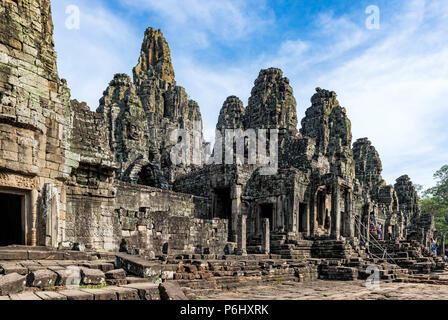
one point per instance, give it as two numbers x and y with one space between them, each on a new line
26 296
50 295
101 294
70 276
8 268
146 291
116 277
13 255
138 266
92 277
77 295
116 274
42 279
12 283
124 293
171 291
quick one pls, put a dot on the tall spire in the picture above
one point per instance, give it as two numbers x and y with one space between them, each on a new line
155 58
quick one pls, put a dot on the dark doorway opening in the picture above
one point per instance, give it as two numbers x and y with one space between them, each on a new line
302 217
11 231
223 207
321 213
266 212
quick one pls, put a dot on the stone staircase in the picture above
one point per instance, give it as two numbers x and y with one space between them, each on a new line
411 255
254 245
288 246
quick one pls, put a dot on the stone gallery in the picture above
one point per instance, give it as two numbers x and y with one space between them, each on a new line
101 190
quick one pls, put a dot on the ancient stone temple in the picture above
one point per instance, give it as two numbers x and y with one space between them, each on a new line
106 180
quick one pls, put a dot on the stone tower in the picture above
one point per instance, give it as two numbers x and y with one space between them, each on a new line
144 114
272 104
327 123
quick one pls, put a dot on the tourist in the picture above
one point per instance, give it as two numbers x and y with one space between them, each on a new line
434 246
379 230
389 232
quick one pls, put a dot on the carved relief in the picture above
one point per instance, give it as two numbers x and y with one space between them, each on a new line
18 181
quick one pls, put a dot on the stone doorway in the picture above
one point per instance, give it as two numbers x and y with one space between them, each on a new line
12 226
267 212
303 208
223 207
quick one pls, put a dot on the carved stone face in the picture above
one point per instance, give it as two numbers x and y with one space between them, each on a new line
133 131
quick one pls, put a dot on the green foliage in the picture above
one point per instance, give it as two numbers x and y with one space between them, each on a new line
435 200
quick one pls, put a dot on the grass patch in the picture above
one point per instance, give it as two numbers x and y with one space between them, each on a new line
101 286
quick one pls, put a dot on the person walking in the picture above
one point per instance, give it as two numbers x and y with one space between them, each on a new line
379 231
390 233
434 246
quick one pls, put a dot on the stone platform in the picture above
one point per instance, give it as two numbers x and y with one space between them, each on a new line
42 273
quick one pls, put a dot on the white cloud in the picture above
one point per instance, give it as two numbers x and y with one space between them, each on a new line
89 57
228 19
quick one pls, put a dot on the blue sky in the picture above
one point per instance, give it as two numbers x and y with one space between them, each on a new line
393 81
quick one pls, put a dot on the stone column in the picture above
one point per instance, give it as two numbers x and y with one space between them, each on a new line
294 211
442 246
279 221
236 211
34 196
307 227
213 208
367 226
266 237
314 213
350 215
336 212
241 250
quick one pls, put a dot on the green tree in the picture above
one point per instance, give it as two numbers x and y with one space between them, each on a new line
435 200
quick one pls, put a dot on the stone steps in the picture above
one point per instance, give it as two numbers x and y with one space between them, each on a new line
142 291
42 253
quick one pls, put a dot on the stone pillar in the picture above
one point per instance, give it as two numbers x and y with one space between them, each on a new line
266 237
314 213
279 221
336 212
308 222
236 211
367 224
213 208
34 196
351 217
442 245
294 212
241 250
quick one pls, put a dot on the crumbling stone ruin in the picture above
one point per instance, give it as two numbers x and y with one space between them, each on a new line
104 182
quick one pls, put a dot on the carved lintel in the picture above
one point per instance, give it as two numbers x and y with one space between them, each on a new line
12 180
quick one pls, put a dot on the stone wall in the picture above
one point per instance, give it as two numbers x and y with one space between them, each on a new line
145 217
35 117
